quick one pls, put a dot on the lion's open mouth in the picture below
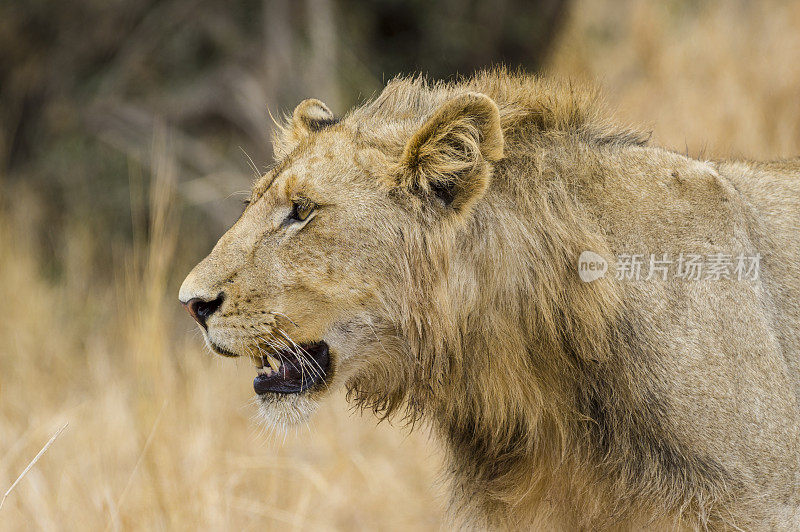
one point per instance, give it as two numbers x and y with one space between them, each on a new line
292 370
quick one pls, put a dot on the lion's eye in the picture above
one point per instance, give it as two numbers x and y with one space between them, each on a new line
245 203
301 210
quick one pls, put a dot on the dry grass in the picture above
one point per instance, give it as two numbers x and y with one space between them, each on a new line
716 78
160 434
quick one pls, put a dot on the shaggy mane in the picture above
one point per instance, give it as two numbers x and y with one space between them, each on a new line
528 105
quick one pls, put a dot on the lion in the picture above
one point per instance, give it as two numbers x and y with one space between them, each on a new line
422 252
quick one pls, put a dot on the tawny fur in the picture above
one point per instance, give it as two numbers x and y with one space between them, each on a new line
442 271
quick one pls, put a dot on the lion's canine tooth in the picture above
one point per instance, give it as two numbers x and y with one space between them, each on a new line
274 364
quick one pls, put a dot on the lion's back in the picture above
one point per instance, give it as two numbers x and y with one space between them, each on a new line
772 192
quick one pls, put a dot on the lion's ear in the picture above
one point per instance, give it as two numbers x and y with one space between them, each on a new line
449 158
309 116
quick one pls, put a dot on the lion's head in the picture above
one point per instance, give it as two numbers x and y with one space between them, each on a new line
337 238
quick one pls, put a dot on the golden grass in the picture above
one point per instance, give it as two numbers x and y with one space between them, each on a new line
160 433
719 78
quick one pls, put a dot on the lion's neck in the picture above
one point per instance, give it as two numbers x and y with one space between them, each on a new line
546 393
539 384
508 408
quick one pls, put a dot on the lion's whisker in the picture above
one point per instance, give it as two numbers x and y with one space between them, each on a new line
305 354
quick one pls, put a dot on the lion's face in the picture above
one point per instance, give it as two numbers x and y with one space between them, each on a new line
295 279
300 280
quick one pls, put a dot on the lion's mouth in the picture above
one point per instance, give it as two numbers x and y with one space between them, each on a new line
292 370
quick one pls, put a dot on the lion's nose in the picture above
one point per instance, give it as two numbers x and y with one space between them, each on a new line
200 309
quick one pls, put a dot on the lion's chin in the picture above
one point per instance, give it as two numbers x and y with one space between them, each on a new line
284 411
288 393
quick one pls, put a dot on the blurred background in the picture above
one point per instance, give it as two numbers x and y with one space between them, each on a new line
129 133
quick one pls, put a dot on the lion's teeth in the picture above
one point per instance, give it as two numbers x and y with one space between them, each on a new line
274 364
